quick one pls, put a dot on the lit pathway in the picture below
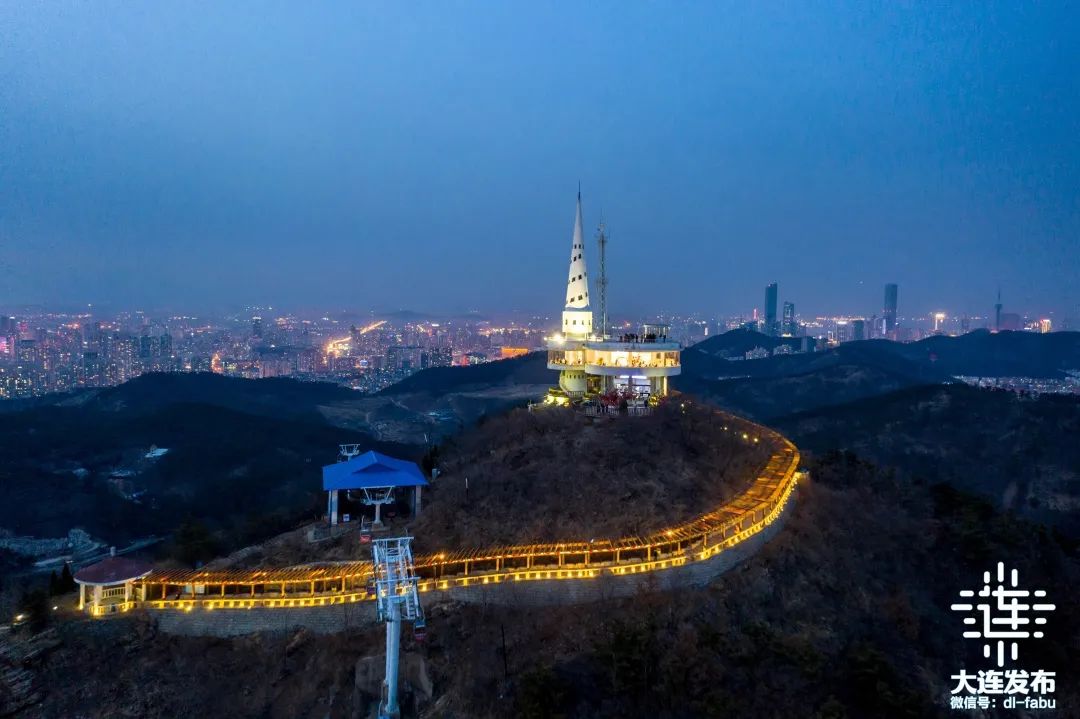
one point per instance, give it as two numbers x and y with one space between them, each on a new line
338 583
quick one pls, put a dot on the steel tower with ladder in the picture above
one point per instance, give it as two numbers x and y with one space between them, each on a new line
394 584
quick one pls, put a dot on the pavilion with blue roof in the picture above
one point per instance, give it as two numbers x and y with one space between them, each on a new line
373 476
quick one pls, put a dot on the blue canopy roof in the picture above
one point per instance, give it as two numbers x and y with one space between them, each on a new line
370 470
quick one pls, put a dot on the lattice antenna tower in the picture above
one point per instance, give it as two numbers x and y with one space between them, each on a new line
601 240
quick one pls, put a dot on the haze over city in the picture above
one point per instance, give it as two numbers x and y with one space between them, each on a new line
189 158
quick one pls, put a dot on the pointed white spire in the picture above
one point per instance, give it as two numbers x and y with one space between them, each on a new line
577 286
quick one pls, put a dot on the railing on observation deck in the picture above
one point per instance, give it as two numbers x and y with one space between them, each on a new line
346 582
600 410
631 364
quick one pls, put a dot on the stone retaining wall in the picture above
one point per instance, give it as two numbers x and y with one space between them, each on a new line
235 622
553 592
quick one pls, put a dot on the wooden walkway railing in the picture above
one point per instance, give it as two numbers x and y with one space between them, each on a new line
345 582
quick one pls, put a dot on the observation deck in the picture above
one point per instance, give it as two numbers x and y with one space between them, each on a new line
609 363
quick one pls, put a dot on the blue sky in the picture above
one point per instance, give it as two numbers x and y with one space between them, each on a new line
427 155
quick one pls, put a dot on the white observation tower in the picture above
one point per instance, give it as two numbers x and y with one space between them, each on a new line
592 364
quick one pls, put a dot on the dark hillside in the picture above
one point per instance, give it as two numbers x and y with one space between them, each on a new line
243 476
1002 354
275 397
773 387
534 476
737 342
1021 454
979 353
525 370
844 614
768 398
877 354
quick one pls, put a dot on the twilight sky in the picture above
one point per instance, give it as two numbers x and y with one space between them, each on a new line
426 155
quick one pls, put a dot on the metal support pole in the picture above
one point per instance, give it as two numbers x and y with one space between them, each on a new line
393 645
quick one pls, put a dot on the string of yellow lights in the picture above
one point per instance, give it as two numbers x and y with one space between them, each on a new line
346 582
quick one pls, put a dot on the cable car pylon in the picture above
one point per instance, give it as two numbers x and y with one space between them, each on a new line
394 582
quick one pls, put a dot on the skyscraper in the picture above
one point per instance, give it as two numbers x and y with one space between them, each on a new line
770 310
997 313
890 308
789 327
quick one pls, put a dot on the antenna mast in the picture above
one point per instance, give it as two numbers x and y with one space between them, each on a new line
601 239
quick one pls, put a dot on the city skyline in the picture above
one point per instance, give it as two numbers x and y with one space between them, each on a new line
355 158
43 353
748 308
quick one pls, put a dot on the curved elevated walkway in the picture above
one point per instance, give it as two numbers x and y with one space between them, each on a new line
690 553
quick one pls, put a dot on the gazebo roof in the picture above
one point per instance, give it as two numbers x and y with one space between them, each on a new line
113 570
372 469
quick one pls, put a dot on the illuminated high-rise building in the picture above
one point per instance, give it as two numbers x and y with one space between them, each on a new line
997 313
891 291
790 327
770 310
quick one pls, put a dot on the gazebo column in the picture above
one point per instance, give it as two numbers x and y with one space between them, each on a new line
82 597
332 507
97 596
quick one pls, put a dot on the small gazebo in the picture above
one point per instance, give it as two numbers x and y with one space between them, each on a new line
111 582
373 476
